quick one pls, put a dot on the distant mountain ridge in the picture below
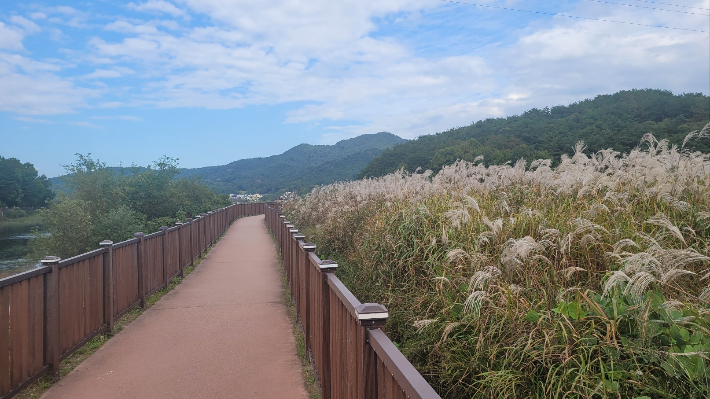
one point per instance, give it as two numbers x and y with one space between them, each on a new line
615 121
298 169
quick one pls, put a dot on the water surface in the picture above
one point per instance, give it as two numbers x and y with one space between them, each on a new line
13 250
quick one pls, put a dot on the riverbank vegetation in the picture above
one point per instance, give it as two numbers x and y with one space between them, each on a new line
588 279
107 204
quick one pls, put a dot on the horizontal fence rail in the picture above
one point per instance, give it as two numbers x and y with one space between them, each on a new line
48 313
353 357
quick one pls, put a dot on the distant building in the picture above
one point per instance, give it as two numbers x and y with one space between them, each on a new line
238 198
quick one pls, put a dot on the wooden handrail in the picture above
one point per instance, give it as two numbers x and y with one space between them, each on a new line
352 356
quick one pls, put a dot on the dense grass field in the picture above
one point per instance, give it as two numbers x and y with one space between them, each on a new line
586 280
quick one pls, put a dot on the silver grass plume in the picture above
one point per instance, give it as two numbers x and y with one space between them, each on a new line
705 295
673 202
448 329
571 271
614 279
515 252
596 210
458 217
697 134
471 203
638 284
456 255
420 325
481 278
662 220
673 274
473 303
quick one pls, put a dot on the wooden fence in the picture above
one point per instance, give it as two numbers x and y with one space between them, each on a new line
353 357
48 313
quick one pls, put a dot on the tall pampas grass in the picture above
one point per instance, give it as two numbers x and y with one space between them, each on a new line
530 279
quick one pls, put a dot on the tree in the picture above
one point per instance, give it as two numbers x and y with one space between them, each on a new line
21 185
112 203
90 180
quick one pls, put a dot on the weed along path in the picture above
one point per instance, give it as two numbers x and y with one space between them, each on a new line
224 332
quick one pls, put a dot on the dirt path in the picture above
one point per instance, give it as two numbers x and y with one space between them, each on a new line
222 333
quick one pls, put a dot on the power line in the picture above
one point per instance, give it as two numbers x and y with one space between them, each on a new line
674 5
650 8
569 16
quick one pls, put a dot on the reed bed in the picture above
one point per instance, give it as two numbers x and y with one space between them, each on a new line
588 279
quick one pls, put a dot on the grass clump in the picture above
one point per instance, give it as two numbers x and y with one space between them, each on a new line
585 280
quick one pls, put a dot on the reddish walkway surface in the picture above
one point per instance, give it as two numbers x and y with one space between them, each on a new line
223 333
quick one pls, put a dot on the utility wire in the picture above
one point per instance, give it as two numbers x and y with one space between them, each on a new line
650 8
568 16
674 5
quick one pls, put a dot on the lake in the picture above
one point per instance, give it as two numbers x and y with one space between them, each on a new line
13 249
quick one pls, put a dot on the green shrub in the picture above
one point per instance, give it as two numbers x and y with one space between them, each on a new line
14 213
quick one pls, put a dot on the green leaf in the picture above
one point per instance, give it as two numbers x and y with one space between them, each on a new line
575 311
532 316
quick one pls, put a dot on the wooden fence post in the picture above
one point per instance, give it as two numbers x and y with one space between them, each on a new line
370 316
189 244
179 248
326 266
164 233
205 236
51 327
141 266
108 284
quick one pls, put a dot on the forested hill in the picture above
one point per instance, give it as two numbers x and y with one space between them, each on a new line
615 121
298 169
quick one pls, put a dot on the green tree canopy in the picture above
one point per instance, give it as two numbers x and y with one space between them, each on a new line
616 121
21 185
113 203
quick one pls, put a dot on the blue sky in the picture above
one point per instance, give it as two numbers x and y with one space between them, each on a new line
213 81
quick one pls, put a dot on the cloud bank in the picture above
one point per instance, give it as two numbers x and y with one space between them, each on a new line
351 67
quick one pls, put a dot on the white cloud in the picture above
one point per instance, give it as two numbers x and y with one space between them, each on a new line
116 72
126 27
120 117
38 15
30 87
87 125
33 120
159 6
354 75
28 26
10 38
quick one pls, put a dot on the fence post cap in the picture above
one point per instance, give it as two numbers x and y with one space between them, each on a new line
139 234
286 221
372 314
328 265
293 231
189 220
163 228
309 246
178 223
106 243
48 260
299 236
